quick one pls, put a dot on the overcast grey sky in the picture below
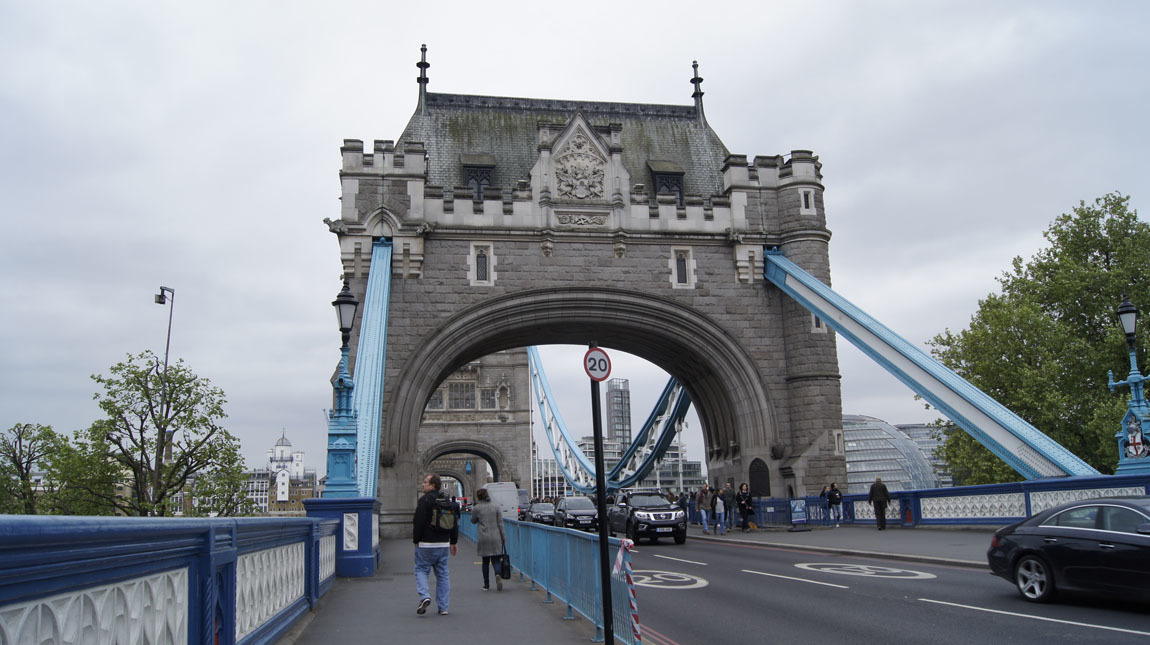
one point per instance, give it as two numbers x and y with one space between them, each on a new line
196 145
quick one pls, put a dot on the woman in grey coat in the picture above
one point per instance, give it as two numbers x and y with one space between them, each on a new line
490 535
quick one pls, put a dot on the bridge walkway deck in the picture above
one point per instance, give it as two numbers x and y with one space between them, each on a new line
381 609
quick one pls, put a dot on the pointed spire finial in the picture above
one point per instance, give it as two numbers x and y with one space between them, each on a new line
423 80
697 81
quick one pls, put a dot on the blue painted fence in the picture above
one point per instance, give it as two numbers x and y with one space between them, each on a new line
565 563
104 580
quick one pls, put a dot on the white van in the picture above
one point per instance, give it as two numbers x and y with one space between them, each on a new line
505 495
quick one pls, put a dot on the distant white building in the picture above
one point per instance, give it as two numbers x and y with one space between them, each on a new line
280 487
875 448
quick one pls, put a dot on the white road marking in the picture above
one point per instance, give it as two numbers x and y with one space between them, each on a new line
813 582
868 570
1050 620
667 557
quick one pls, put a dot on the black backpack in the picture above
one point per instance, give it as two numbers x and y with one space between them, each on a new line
443 514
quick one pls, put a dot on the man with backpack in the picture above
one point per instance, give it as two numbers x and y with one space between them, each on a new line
435 531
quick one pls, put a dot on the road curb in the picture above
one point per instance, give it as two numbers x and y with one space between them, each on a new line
925 559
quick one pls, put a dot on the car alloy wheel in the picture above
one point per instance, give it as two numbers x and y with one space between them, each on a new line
1033 579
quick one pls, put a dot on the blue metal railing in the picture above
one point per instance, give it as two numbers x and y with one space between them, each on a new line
565 564
78 579
989 504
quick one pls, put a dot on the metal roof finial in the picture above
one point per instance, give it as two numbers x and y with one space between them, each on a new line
698 95
423 80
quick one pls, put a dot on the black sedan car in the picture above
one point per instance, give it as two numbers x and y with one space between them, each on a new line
541 513
1097 546
577 513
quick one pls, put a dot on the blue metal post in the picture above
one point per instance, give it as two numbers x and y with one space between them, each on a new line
1133 450
341 436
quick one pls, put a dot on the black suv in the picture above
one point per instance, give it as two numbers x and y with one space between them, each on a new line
646 513
577 513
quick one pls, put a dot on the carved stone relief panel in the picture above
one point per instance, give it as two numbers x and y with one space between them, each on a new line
579 169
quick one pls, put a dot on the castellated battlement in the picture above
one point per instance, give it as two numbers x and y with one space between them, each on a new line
383 159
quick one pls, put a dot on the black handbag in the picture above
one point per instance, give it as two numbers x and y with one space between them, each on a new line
505 566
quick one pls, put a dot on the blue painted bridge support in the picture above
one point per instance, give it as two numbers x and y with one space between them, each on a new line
1025 448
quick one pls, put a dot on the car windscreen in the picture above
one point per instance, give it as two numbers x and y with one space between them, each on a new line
580 504
648 500
542 508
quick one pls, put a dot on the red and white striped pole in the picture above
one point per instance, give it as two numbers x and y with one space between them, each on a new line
623 561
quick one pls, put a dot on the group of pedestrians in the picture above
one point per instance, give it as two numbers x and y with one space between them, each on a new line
878 498
717 507
434 543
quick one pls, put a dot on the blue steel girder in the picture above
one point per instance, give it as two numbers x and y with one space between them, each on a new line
370 360
1008 436
638 459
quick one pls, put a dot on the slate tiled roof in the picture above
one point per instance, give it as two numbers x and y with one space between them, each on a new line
507 129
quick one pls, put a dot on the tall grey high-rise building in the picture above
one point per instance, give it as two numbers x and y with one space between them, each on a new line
619 411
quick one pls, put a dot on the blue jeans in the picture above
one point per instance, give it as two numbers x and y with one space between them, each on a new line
837 512
703 514
721 522
425 561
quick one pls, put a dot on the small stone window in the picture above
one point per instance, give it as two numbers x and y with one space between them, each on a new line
806 201
478 173
481 265
667 177
682 266
487 399
817 325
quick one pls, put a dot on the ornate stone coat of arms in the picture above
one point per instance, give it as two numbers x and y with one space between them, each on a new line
579 169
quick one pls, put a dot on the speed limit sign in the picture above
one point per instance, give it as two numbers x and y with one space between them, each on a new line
597 364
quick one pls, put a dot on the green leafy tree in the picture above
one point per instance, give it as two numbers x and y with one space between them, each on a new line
1042 347
162 427
81 479
221 490
24 451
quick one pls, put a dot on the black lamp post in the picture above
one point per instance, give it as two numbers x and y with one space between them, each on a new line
341 429
166 296
1128 315
345 305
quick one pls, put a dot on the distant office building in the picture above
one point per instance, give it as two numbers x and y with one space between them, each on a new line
619 411
926 436
875 448
666 475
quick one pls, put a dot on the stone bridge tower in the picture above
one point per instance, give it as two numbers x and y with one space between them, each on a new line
519 222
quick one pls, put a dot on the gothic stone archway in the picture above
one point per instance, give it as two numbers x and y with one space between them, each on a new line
559 240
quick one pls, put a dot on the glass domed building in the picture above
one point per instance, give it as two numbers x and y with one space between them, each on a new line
875 448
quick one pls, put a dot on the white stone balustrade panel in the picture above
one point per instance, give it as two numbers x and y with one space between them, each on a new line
152 609
864 511
326 557
974 506
374 531
351 531
267 581
1040 501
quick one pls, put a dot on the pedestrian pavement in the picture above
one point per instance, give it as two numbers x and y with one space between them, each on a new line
382 608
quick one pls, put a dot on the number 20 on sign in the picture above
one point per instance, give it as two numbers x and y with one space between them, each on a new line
597 364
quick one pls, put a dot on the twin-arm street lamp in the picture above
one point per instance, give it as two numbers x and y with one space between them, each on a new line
1133 453
341 426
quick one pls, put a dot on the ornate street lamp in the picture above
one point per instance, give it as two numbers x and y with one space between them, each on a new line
1133 452
341 427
